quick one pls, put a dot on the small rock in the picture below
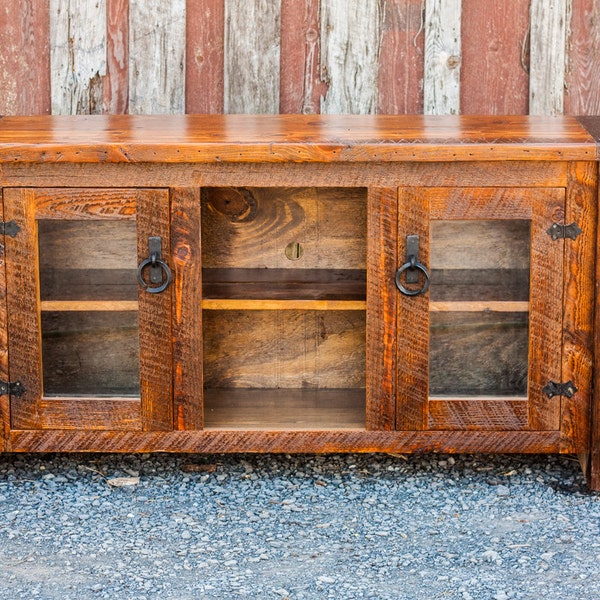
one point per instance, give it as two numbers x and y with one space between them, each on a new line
503 491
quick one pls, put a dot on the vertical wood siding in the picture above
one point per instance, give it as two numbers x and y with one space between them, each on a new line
300 56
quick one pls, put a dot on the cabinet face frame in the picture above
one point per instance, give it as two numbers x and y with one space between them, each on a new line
149 208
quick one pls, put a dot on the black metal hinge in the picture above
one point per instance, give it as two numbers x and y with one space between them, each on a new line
9 228
552 389
560 232
12 388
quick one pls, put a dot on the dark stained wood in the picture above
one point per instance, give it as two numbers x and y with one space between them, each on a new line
506 174
582 76
578 310
204 56
412 336
215 442
187 314
382 262
401 58
156 352
25 60
295 138
300 87
304 409
115 85
493 76
500 414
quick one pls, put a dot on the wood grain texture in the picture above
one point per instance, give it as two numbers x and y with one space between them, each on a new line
24 328
157 56
215 442
115 86
205 23
493 78
578 319
382 262
4 373
85 203
593 458
156 351
582 87
412 336
77 56
441 86
301 85
291 138
25 57
547 56
252 49
187 316
400 71
501 414
350 40
379 174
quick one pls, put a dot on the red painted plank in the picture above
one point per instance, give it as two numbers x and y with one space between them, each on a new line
24 57
493 70
204 56
115 90
582 94
401 58
301 86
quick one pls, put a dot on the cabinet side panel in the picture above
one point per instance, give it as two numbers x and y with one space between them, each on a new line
382 234
155 318
187 315
579 306
4 400
413 317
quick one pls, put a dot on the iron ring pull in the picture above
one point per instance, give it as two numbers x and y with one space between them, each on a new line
159 270
412 265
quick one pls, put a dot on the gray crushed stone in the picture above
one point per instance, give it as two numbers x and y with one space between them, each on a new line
300 527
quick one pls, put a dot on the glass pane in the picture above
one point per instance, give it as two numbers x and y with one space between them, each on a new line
88 292
479 304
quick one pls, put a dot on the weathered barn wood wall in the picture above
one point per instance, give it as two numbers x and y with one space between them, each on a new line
330 56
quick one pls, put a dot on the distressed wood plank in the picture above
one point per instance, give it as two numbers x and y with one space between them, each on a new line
218 441
547 56
4 373
157 56
382 262
301 86
441 93
400 70
115 86
204 86
502 414
156 366
252 48
582 79
85 203
77 55
578 308
350 40
493 78
187 318
25 57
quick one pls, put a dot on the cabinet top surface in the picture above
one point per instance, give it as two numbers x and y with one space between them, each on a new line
291 138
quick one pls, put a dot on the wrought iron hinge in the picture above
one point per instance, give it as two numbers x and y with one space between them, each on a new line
12 388
560 232
9 228
552 389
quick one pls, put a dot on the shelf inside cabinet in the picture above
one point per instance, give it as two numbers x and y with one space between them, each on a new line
284 409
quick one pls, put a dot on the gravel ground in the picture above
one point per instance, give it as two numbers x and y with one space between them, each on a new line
266 526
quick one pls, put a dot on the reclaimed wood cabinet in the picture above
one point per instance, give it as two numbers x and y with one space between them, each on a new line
298 284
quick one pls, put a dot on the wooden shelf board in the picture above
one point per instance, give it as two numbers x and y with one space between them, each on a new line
88 305
284 409
479 306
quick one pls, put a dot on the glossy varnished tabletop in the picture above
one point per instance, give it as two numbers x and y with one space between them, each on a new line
291 138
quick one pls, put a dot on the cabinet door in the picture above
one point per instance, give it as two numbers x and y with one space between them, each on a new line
89 344
480 347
